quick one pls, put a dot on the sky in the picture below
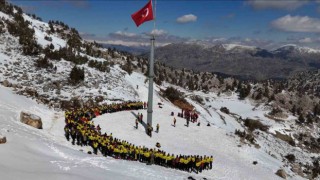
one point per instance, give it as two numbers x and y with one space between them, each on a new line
263 23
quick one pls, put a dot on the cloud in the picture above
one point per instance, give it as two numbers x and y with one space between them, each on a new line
123 34
157 32
302 40
187 18
132 39
277 4
290 23
306 40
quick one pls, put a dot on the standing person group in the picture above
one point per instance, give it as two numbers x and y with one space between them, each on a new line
83 132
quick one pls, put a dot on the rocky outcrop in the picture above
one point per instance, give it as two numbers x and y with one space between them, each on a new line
3 139
281 173
6 83
31 120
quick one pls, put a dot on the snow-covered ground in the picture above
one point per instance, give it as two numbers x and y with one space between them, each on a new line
35 154
45 154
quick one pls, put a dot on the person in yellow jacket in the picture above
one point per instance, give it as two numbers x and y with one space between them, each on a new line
147 154
95 147
210 162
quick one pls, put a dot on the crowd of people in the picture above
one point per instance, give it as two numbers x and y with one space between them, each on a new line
81 130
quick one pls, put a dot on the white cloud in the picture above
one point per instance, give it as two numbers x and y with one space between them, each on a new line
158 32
187 18
133 39
297 24
130 43
125 34
305 40
277 4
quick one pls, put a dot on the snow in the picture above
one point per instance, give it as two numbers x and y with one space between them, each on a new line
300 49
3 15
229 47
52 154
40 28
45 154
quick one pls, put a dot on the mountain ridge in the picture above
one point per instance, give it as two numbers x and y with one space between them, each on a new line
241 61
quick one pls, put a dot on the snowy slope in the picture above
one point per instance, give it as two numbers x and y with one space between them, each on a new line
45 154
33 154
39 154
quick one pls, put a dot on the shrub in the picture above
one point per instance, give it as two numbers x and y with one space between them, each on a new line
225 110
173 94
255 124
291 157
43 63
48 38
76 75
176 97
285 138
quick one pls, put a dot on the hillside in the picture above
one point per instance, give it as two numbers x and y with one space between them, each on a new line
244 62
249 128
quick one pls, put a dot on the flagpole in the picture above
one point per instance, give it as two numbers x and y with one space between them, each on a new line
151 73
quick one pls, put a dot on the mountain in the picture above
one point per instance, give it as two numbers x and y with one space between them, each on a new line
136 50
251 129
247 62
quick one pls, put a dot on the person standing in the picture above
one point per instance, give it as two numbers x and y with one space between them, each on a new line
136 123
174 122
158 128
141 117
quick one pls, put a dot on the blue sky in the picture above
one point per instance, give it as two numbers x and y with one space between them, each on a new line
261 23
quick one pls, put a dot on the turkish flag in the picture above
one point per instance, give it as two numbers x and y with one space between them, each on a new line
143 15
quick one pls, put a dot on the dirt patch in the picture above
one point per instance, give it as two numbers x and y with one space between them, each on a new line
285 138
183 105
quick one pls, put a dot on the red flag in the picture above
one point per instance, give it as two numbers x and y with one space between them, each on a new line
143 15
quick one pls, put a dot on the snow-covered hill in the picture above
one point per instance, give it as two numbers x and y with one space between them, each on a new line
299 49
46 154
49 153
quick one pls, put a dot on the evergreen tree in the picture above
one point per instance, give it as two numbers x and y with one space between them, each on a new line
76 75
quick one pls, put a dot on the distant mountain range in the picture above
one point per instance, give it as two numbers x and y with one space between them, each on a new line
246 62
136 50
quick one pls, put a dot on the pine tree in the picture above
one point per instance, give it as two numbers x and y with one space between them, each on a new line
76 75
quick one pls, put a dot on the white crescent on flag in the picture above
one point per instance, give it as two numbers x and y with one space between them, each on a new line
145 13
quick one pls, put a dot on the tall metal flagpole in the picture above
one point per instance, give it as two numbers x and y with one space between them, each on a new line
151 74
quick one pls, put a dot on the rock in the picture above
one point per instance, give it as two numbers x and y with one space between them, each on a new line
45 88
90 103
31 92
6 83
224 110
99 99
3 139
281 173
25 77
31 120
296 168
